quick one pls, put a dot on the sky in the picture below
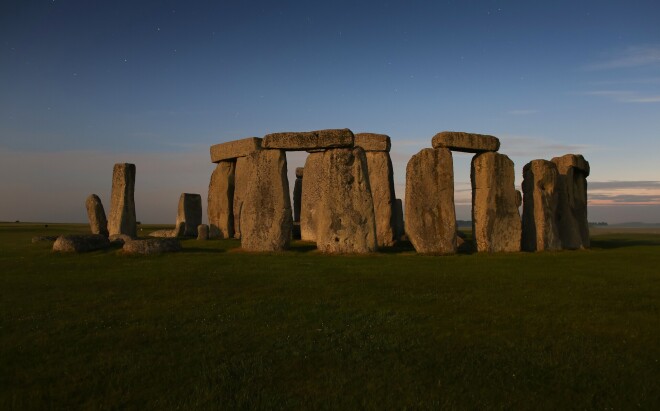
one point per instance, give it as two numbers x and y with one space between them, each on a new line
86 84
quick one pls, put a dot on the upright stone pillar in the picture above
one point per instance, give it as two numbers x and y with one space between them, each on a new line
96 214
572 211
381 180
220 207
345 219
189 214
310 202
496 223
265 217
540 231
297 194
430 211
122 201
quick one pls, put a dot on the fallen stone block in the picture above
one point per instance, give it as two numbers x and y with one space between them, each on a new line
80 243
150 246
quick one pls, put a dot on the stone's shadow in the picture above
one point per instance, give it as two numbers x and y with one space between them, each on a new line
614 243
200 250
403 246
302 247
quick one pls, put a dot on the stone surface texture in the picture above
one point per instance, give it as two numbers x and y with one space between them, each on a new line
120 238
266 219
202 232
122 201
152 246
466 142
496 222
98 223
309 140
572 210
345 219
220 205
430 212
241 183
189 214
80 243
299 172
232 150
540 230
381 182
310 202
373 142
162 233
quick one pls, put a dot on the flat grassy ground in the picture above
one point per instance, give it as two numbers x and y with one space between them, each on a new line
215 328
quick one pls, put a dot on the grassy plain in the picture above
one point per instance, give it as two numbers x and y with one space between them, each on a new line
216 328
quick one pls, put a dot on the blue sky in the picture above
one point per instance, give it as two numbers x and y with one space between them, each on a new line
85 84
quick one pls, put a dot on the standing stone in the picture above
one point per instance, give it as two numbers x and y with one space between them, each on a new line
189 214
220 207
496 223
345 220
540 231
202 232
241 183
572 211
399 226
381 181
266 219
430 212
122 201
96 214
297 194
310 201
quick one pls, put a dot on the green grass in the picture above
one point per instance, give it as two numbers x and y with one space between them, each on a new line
213 327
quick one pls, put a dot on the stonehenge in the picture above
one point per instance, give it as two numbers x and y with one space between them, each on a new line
344 199
122 201
189 215
96 214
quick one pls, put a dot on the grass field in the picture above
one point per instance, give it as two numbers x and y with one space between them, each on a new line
215 328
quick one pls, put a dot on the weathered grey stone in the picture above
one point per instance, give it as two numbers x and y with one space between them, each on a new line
373 142
297 198
152 246
496 223
309 140
80 243
241 184
220 208
572 210
345 220
96 214
430 211
202 232
122 202
162 233
44 238
234 149
265 217
399 226
299 172
189 213
540 231
466 142
381 182
312 191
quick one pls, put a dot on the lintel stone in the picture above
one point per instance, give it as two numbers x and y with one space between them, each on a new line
309 140
373 142
466 142
234 149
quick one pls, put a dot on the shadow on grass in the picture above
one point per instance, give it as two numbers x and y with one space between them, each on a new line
200 250
613 243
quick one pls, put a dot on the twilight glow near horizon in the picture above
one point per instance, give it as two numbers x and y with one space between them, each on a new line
86 84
